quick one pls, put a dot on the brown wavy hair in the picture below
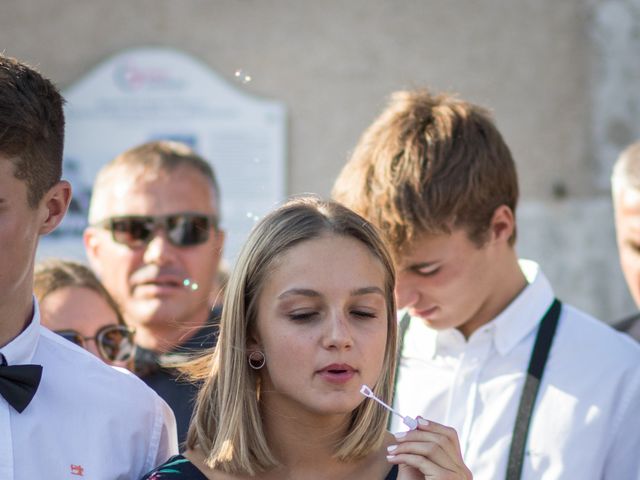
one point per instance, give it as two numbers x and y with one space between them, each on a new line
428 164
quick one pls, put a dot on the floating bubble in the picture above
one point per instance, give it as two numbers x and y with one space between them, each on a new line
190 284
249 215
256 160
242 76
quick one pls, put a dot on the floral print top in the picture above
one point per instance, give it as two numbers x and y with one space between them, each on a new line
179 468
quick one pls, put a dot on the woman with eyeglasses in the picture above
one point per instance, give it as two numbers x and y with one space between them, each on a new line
75 305
308 319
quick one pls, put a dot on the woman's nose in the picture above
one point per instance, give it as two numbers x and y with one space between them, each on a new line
338 333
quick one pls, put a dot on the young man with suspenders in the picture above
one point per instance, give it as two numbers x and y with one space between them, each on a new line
535 388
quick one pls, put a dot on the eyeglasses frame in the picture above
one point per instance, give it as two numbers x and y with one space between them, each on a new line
130 333
158 221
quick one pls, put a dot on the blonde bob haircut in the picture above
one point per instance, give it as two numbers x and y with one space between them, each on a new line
227 424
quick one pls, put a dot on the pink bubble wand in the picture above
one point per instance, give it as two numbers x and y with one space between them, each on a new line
412 423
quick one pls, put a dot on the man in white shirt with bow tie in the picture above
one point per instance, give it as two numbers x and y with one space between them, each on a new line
63 412
534 388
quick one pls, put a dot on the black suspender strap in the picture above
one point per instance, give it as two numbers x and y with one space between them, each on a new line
537 363
402 330
538 360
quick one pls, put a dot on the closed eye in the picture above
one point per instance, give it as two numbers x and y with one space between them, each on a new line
302 316
426 271
364 314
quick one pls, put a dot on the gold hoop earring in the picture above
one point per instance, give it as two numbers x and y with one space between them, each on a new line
257 360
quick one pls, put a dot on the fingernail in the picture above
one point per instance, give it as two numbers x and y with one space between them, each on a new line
423 422
400 435
391 448
390 457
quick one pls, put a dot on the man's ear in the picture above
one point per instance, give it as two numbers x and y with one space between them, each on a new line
219 242
54 206
91 243
503 224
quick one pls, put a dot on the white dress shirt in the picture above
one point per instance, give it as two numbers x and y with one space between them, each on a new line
586 420
87 419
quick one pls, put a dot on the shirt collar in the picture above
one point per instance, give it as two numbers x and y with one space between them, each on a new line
525 312
21 349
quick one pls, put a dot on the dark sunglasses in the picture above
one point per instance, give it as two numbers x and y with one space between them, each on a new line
114 342
183 229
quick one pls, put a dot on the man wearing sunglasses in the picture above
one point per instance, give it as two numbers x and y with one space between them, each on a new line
63 412
155 243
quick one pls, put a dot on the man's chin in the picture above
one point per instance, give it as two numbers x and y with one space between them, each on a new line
436 322
429 315
151 312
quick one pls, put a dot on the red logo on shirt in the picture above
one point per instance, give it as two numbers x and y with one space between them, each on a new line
77 470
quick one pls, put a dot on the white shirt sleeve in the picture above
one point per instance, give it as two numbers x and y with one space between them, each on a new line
164 439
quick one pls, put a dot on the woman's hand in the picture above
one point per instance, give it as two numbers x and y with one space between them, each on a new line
432 451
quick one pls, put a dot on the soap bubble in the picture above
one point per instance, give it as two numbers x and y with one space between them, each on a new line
242 76
190 285
253 216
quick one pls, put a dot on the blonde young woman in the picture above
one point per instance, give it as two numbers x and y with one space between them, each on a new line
308 318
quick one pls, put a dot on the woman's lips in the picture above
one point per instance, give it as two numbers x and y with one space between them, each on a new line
337 373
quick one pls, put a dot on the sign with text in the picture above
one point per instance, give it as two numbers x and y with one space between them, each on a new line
153 94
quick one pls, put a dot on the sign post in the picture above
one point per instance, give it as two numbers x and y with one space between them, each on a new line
161 94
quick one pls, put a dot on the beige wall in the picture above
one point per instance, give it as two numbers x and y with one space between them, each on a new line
537 64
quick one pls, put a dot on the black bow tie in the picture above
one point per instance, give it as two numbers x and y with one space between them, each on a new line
18 383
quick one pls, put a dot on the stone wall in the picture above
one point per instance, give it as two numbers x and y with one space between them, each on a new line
560 77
